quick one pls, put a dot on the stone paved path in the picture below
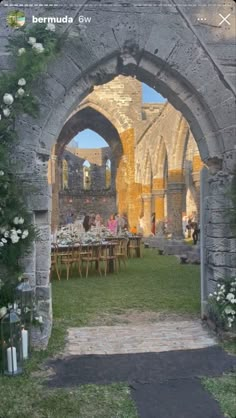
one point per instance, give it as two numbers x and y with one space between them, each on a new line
145 338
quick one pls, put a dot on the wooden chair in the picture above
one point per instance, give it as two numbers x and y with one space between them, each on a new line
122 251
134 247
109 257
70 257
90 256
54 261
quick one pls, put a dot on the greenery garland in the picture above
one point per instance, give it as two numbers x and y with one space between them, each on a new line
31 49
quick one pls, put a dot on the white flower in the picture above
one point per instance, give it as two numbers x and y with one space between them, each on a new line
210 295
32 40
4 240
6 234
21 221
1 173
21 82
19 231
6 112
25 234
16 220
38 48
21 51
230 296
229 310
40 319
14 239
218 298
8 99
20 92
1 244
51 27
3 311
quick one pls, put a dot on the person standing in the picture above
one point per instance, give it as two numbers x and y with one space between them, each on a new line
112 225
153 223
86 223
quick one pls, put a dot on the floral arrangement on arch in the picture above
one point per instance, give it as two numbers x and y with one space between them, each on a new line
31 49
222 303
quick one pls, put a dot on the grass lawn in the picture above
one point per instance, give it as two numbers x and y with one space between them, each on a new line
223 388
154 284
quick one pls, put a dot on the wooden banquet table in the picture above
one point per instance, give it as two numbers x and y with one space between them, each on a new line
105 248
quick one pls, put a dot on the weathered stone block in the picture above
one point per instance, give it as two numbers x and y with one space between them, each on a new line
43 293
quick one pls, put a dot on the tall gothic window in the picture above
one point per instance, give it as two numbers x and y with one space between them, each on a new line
108 174
64 174
86 175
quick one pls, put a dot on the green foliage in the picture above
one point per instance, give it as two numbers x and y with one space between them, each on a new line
29 62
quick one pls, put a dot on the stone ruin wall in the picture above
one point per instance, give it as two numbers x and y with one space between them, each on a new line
150 124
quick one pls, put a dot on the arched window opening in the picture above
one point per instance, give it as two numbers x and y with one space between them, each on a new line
108 174
64 174
86 175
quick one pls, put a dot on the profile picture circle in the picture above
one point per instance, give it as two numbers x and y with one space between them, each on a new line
16 19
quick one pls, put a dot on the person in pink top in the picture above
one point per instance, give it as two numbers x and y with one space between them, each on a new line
112 224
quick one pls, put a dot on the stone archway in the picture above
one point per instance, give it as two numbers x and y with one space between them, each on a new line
165 52
85 117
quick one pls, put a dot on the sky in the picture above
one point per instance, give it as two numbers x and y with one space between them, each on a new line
90 139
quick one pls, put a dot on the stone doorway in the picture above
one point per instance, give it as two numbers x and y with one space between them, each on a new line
165 52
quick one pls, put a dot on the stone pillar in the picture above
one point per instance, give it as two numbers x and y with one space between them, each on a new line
158 193
175 193
220 251
147 209
197 166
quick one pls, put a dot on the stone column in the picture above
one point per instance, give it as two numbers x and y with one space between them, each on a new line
147 209
55 183
220 251
158 193
197 166
175 194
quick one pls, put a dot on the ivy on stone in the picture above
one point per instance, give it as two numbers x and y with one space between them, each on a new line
31 49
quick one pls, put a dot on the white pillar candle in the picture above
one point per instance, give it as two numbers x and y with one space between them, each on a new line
24 337
11 360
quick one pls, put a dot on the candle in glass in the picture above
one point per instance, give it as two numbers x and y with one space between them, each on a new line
24 336
11 360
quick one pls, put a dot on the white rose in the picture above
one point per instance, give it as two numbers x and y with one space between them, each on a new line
51 27
14 239
3 311
21 221
1 173
6 112
6 234
32 40
8 99
4 240
20 92
38 48
230 296
16 220
229 310
25 234
1 244
21 51
21 82
19 231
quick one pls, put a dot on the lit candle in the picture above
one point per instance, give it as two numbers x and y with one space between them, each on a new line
24 337
11 360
